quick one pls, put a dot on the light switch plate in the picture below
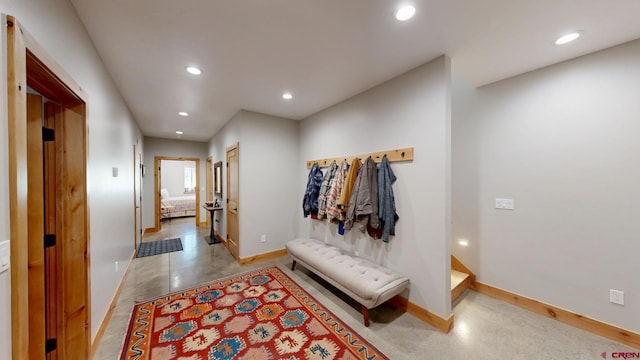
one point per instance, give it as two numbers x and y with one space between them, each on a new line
504 204
4 256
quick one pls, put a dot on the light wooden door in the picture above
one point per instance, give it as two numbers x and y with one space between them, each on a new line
58 277
36 195
52 111
209 190
233 234
72 253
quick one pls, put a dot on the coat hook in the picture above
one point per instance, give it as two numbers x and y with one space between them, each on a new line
402 154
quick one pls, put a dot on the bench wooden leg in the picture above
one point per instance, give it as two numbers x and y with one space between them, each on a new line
293 265
365 315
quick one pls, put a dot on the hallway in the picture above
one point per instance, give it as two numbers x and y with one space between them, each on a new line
484 328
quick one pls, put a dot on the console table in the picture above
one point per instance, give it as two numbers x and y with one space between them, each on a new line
212 239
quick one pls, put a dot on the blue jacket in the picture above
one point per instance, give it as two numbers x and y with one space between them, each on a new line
386 200
310 200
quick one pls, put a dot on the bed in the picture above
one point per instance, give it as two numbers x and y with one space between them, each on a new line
177 206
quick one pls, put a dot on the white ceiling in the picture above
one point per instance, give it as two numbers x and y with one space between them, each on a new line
322 51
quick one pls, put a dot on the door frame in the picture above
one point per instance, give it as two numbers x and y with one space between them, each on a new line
156 186
29 64
137 197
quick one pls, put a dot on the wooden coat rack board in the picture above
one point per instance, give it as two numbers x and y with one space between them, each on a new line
396 155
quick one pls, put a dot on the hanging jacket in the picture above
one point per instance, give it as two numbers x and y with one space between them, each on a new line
310 199
334 212
363 205
386 201
345 195
324 189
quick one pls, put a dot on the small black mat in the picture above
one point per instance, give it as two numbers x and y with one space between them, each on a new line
159 247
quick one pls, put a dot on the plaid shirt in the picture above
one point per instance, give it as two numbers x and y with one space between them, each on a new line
334 211
324 189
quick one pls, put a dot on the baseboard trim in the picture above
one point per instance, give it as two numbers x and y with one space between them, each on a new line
443 325
263 257
149 230
219 237
112 305
608 331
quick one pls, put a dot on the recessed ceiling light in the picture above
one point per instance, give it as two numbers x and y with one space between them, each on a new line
194 70
287 96
463 242
179 132
183 113
405 13
567 38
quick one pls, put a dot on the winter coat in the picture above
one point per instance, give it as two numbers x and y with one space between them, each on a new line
386 201
363 205
345 195
310 200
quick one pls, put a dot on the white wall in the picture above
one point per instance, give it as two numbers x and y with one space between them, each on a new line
172 148
411 110
217 145
112 133
268 156
563 142
268 182
172 177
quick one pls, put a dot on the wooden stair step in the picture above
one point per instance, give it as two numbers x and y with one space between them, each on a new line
459 283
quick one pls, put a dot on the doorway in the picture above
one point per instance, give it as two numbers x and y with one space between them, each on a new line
50 293
165 208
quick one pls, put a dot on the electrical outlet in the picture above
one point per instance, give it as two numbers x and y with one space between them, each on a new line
263 238
616 296
116 266
4 256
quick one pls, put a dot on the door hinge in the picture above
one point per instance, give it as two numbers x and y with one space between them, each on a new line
140 231
227 201
48 134
50 345
49 240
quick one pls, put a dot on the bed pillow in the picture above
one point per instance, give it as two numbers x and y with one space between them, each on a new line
164 193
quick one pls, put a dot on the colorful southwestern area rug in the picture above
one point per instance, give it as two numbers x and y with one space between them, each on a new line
258 315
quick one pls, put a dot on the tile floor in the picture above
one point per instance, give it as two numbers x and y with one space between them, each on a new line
484 328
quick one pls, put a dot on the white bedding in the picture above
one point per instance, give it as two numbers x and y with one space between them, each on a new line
178 206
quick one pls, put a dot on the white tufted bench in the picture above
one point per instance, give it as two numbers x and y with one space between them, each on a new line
364 281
